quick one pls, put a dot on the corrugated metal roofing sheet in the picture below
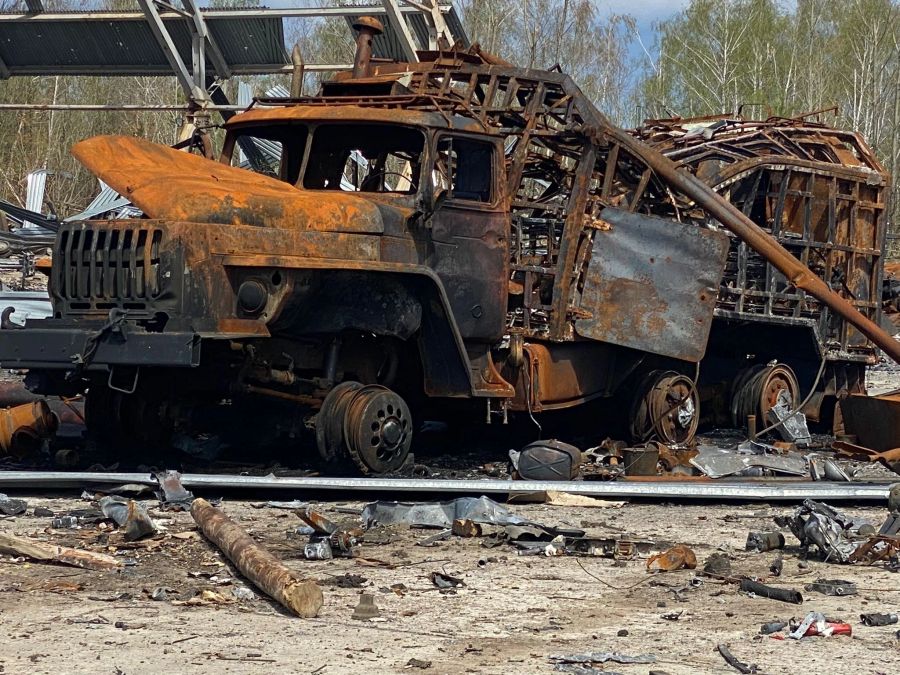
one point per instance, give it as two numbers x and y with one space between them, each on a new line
81 46
388 44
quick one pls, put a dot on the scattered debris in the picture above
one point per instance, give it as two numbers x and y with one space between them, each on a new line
717 565
347 581
791 424
318 550
366 608
555 498
466 528
172 495
764 541
418 663
815 623
827 469
433 539
303 597
875 619
440 514
829 530
129 514
588 658
12 507
750 458
777 565
43 552
771 592
832 587
64 522
444 581
732 660
676 558
772 627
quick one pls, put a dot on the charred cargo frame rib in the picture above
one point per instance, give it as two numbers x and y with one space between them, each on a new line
822 195
587 266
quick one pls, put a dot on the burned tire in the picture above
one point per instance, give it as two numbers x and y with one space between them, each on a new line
126 426
666 406
757 389
330 426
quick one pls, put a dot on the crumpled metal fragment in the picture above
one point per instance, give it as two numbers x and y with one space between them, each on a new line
172 495
828 529
440 514
130 515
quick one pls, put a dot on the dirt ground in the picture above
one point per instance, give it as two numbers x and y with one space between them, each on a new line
511 615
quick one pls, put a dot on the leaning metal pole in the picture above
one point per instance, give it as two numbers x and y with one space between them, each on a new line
757 238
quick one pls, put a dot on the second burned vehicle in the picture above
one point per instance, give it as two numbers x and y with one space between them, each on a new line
449 238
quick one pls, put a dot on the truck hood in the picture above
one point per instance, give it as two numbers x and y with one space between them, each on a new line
176 185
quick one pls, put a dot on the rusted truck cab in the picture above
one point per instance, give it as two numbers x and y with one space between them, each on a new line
364 246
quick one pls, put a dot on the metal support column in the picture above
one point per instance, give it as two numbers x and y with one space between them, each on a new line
404 35
185 78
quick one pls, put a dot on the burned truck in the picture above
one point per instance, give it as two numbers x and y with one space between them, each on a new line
454 238
822 194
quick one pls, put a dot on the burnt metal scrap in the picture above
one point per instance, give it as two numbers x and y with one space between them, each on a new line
453 237
822 195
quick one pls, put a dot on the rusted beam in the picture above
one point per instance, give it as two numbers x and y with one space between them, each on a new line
758 239
302 596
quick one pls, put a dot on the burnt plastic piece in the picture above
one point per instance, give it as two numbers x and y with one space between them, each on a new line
549 460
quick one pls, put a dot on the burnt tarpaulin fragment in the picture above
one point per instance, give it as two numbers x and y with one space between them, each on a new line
172 495
440 514
832 587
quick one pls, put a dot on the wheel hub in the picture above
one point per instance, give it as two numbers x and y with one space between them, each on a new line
369 425
666 407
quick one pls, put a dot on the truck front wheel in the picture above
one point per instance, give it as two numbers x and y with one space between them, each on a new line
369 425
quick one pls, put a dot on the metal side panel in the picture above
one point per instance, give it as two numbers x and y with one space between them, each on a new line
651 284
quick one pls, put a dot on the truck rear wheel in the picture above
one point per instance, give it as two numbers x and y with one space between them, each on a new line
666 406
370 426
756 390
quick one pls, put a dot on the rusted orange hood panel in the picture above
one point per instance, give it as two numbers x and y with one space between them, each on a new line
175 185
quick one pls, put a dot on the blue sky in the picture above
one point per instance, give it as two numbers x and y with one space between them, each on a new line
646 13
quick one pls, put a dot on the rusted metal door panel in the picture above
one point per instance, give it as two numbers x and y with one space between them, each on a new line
651 284
874 420
471 256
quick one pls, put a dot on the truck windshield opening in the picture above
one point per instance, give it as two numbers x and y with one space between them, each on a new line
365 158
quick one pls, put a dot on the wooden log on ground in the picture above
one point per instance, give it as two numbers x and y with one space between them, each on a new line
302 596
44 552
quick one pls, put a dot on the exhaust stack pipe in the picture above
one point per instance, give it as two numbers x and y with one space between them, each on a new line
296 72
368 28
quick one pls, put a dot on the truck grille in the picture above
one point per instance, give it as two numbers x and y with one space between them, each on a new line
98 267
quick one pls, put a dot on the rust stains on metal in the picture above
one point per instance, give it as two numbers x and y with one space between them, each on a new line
174 185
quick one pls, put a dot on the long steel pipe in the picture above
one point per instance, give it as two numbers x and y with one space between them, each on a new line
757 238
751 490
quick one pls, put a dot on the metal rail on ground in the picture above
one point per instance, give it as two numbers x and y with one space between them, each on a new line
770 490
